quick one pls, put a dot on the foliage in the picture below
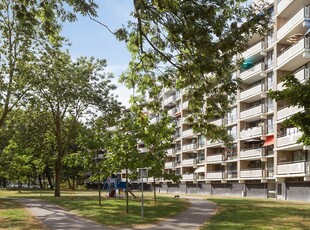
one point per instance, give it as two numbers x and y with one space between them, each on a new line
191 45
296 93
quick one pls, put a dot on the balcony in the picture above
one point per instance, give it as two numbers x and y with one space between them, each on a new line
257 110
171 152
295 24
188 132
185 105
288 139
256 90
169 100
218 122
253 74
282 4
189 177
231 119
245 153
143 150
214 158
301 76
296 55
171 112
189 162
169 165
251 173
253 50
293 168
153 120
189 147
232 174
215 175
255 131
288 111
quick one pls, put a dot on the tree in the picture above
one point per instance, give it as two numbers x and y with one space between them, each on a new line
191 45
296 93
122 146
71 89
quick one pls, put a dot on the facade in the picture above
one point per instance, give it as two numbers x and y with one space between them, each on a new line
266 161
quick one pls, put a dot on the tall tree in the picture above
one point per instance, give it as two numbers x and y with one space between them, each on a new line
296 93
71 89
191 45
123 147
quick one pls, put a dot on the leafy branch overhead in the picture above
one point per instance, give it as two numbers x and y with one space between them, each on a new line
190 45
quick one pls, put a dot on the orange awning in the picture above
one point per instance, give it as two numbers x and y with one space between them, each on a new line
269 141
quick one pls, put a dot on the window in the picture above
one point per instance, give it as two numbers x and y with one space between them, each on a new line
270 38
270 59
270 80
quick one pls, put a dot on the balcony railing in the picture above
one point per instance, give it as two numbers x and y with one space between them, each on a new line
190 176
218 122
213 158
169 165
231 119
215 175
252 72
189 162
293 21
282 4
252 91
251 173
252 111
301 76
293 50
293 167
251 153
258 47
188 132
185 105
255 131
288 111
288 139
169 100
170 152
189 147
231 174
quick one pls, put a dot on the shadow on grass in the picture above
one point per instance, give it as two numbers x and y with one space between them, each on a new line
14 216
259 214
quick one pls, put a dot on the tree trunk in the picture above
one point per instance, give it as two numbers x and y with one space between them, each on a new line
18 185
154 189
127 187
40 181
73 182
49 179
69 183
57 176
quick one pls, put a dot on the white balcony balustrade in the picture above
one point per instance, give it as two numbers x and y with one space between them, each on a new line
143 150
293 168
257 48
153 120
188 132
189 162
169 165
245 153
218 122
288 139
185 105
282 4
252 91
255 131
214 175
288 111
252 111
253 72
190 176
296 54
169 100
215 158
171 112
170 152
251 173
302 75
293 22
189 147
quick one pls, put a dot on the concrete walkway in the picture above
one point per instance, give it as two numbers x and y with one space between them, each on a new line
56 218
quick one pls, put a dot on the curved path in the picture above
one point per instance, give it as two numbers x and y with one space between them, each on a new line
56 218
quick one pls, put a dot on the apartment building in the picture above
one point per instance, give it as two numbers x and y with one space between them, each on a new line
265 161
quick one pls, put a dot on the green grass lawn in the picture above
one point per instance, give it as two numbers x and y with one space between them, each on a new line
112 211
14 216
238 213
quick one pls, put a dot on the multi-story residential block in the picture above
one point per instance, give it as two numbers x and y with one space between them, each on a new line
265 161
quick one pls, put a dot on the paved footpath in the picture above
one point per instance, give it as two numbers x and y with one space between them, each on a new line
56 218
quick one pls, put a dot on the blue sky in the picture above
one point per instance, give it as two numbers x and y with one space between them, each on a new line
88 38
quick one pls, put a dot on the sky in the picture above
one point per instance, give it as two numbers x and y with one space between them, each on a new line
88 38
